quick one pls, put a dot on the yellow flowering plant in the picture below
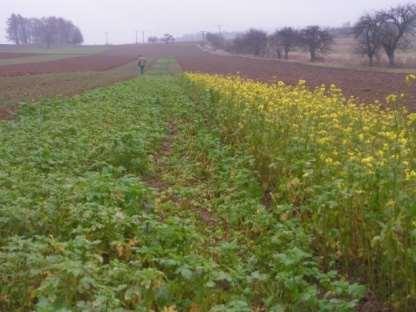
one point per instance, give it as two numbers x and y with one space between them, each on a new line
347 169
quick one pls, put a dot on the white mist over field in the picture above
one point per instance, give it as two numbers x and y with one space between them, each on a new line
121 19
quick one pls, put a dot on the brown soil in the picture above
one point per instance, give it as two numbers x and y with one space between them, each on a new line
75 64
10 55
96 62
155 181
6 113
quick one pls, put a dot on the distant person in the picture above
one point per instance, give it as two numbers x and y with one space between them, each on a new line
141 63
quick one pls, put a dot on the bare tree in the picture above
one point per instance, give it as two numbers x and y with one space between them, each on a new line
288 39
13 29
396 25
76 36
153 39
35 31
253 42
23 29
368 33
46 31
168 38
216 40
274 48
49 30
316 41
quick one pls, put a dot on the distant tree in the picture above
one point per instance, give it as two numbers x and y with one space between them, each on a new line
76 37
316 41
168 38
23 29
274 47
288 39
253 42
35 31
216 40
13 29
397 24
46 31
153 39
49 31
368 33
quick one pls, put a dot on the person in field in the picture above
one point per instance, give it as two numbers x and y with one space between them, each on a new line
141 63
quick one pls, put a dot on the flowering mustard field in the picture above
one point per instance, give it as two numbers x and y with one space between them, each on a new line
348 172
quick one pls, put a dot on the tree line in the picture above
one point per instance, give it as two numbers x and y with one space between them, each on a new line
384 30
313 39
45 31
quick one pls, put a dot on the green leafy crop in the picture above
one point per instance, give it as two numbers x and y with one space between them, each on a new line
127 199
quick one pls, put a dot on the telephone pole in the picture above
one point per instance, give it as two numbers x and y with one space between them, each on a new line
143 36
203 32
137 37
106 38
219 29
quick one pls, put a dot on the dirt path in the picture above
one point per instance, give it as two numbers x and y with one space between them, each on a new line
160 159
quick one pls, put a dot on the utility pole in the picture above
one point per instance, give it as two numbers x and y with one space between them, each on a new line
219 29
203 32
137 37
143 36
106 38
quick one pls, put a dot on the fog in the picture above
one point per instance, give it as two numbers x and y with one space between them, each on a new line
122 18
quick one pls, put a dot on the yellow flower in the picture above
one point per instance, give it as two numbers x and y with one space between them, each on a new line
410 79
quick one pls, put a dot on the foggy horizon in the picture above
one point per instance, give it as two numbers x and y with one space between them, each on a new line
123 18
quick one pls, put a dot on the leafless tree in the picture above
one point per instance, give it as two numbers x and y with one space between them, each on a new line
153 39
13 29
49 30
397 24
168 38
216 40
253 42
76 36
288 39
23 29
46 31
316 41
368 33
274 48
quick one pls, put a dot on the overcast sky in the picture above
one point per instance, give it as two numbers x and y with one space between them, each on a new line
120 18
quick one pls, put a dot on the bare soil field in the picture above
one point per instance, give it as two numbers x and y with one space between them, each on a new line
11 55
98 62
